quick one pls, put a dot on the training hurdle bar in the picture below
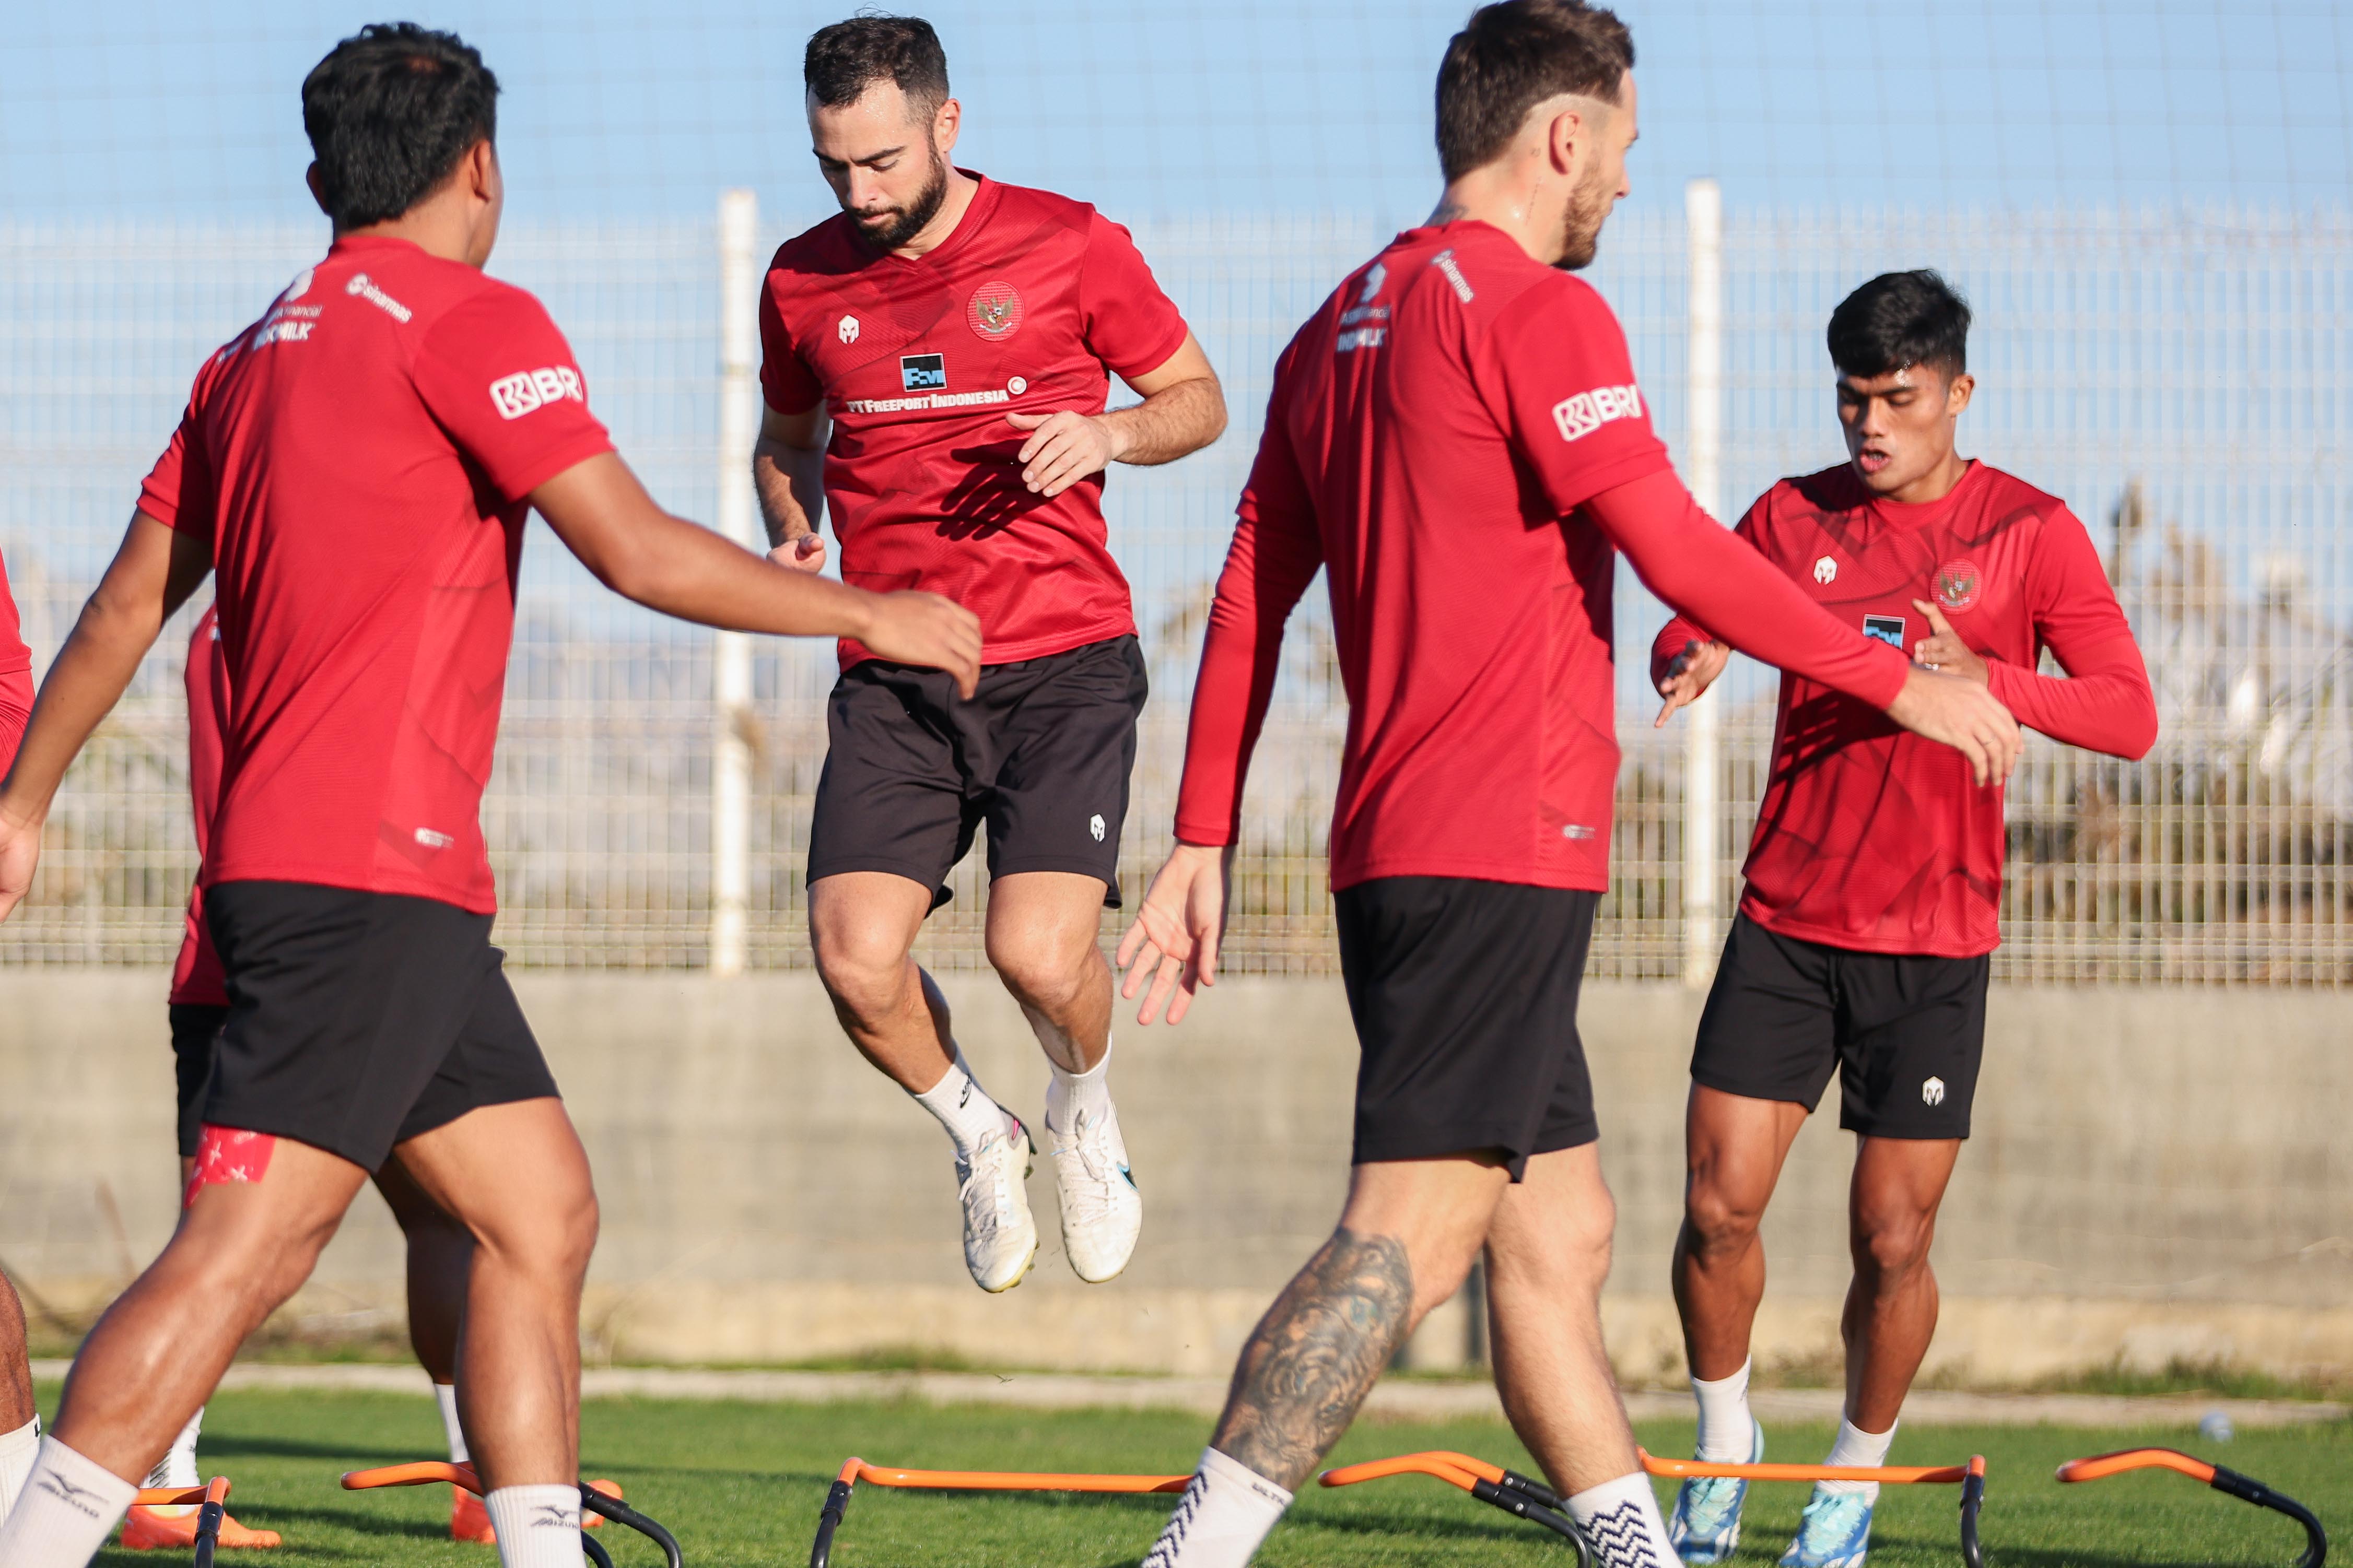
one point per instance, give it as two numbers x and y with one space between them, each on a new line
427 1471
854 1470
1525 1497
1518 1494
2246 1489
211 1501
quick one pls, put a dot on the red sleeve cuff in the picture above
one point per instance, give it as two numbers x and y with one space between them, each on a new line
553 462
1145 364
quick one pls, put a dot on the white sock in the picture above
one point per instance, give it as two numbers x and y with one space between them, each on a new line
18 1451
1727 1432
1225 1513
1857 1447
68 1508
446 1396
965 1109
538 1527
1071 1094
178 1467
1623 1520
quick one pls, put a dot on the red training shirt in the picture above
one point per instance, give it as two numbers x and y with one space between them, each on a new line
197 977
358 460
15 676
1442 435
1870 838
1030 306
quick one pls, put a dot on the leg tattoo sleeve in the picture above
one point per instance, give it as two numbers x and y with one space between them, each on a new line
1314 1356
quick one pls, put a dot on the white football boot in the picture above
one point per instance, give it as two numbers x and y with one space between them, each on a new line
1102 1211
1000 1238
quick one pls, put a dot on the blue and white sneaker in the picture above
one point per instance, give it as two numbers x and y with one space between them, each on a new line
1706 1522
1833 1532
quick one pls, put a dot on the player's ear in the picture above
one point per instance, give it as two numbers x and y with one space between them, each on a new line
318 191
1565 135
946 121
1957 394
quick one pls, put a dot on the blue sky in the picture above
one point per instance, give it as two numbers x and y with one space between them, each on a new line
619 110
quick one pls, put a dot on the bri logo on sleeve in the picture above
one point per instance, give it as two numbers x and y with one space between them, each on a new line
518 395
1582 415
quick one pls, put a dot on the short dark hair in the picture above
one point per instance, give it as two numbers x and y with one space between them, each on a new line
848 57
1901 318
1510 57
389 113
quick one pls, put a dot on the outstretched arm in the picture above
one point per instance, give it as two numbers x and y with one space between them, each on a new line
640 551
151 575
1703 572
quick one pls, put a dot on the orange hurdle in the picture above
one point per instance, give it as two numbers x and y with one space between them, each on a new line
426 1472
2246 1489
854 1470
211 1499
1525 1497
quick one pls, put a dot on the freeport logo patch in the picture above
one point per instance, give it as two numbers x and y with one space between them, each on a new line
527 389
1582 415
1888 629
922 373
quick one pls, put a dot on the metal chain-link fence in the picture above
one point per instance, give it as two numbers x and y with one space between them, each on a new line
2183 378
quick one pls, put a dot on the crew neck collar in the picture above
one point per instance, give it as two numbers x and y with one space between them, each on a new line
1918 511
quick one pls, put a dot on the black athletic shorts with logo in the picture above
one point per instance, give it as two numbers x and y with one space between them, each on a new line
1906 1031
358 1020
1465 997
195 1030
1041 754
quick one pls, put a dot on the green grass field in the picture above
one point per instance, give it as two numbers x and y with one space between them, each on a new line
741 1485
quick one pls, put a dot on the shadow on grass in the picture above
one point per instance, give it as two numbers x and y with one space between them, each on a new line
227 1446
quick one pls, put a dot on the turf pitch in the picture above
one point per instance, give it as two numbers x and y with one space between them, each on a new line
741 1485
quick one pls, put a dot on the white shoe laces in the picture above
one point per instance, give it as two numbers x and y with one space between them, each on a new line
991 1177
1087 1167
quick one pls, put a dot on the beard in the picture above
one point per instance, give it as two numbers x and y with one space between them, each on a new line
891 228
1589 208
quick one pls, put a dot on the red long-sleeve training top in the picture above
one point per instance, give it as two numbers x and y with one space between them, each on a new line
1457 435
1876 840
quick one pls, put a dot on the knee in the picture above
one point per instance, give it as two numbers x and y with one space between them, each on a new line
1716 1221
1567 1257
1893 1243
1047 969
863 964
552 1242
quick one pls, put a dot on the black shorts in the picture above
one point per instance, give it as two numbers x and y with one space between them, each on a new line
359 1020
1041 754
1464 995
196 1029
1904 1031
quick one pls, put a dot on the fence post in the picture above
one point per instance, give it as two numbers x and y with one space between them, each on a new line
1703 464
731 770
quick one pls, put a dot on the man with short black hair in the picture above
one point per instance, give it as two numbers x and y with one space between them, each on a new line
1874 879
1457 440
959 336
355 468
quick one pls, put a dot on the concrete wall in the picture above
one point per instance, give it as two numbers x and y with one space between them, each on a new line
2157 1175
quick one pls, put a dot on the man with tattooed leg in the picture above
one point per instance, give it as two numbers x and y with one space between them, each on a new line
1457 439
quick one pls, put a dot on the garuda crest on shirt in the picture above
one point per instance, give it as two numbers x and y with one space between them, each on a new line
1956 585
995 311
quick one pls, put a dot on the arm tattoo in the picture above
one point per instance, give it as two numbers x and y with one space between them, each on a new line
1314 1356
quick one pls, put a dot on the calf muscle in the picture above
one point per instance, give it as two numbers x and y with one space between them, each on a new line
1316 1355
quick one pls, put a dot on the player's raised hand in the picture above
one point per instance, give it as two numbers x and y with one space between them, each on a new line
1965 716
20 851
806 553
1174 940
1693 672
1945 650
1064 446
909 627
